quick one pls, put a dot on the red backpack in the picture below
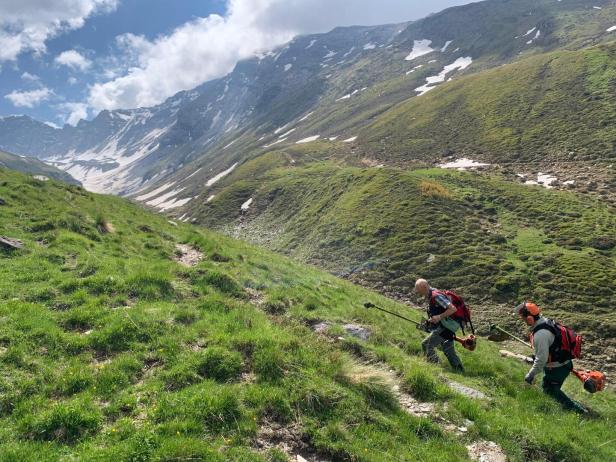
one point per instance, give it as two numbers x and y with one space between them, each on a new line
567 343
463 312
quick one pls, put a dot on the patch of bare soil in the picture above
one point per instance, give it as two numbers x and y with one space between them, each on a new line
187 255
256 298
486 451
287 439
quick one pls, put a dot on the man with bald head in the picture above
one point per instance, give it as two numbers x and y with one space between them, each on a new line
442 327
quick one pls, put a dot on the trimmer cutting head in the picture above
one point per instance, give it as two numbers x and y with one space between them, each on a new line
497 335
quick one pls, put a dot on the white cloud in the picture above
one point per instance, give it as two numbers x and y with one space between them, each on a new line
208 48
72 80
73 59
29 98
25 25
30 77
74 112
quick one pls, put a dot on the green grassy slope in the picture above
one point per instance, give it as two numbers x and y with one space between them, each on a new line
495 240
34 167
551 109
110 350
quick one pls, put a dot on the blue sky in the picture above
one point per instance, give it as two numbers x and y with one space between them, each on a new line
96 40
89 55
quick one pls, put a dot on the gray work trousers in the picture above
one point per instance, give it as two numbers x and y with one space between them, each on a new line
446 343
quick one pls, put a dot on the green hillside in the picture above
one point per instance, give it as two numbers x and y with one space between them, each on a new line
33 166
495 240
554 111
111 350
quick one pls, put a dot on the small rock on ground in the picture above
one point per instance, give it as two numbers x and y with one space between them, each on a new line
189 255
11 243
357 331
466 391
486 451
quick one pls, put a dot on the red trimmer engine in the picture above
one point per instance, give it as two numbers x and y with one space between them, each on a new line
593 381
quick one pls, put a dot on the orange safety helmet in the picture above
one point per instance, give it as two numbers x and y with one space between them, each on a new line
528 311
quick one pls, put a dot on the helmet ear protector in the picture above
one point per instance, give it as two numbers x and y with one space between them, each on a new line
529 311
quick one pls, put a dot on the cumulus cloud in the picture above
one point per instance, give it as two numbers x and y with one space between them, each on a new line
208 48
73 59
26 25
29 99
74 112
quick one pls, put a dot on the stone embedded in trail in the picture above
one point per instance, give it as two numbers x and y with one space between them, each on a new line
466 391
11 243
411 405
357 331
486 451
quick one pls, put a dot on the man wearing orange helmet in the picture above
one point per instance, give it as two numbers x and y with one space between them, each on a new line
554 362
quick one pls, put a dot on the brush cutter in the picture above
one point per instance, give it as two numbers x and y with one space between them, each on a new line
593 381
469 343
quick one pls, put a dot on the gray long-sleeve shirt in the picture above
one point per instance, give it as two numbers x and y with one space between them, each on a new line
542 341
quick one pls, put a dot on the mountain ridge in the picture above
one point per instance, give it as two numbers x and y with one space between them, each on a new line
191 129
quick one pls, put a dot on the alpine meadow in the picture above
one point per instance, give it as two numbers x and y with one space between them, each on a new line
380 243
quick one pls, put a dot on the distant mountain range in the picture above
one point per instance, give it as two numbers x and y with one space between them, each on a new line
341 85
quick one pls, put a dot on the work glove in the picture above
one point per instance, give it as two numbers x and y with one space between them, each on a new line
529 379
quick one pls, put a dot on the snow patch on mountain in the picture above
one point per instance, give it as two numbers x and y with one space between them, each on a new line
537 35
280 129
220 176
348 52
306 116
544 179
431 82
309 139
193 174
420 48
106 167
281 140
174 204
246 205
286 135
161 200
414 69
463 164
